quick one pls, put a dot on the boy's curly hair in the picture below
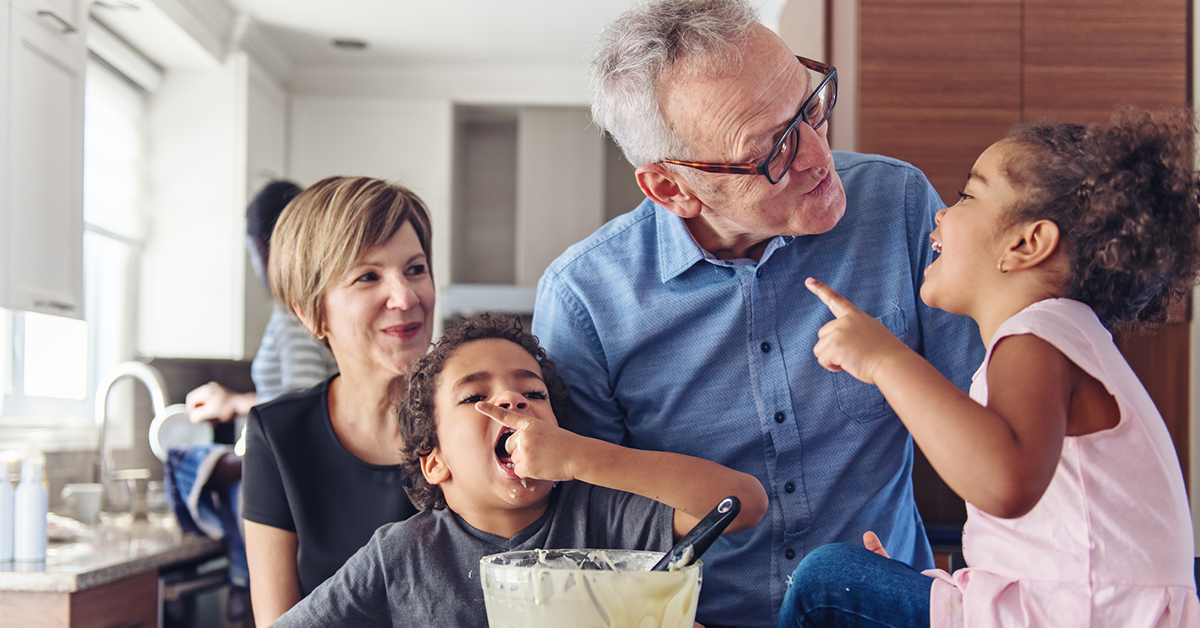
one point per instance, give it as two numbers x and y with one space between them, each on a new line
418 420
1125 199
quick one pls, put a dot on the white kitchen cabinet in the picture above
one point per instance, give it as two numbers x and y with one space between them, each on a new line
266 161
59 15
408 141
41 160
503 198
217 134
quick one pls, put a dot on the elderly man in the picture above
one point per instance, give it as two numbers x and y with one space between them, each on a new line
685 325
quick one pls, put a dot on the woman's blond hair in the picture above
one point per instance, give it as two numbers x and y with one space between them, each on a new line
327 228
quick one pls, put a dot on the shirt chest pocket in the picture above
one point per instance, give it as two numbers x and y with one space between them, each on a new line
863 402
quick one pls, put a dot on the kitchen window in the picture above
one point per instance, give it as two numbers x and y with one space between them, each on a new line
49 366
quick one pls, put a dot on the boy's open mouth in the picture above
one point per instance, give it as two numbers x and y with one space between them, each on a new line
501 443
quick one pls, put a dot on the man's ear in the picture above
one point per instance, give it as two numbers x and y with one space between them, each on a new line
434 468
668 189
1031 245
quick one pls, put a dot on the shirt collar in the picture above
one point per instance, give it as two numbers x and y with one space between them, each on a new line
680 251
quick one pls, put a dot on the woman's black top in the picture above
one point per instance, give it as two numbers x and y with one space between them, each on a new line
298 477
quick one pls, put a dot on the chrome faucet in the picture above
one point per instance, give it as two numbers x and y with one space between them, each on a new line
154 382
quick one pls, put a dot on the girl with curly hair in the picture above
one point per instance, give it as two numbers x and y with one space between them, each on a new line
1077 513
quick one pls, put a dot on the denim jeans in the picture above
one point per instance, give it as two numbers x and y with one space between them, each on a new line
845 586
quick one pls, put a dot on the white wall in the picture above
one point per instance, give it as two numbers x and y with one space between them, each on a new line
801 24
560 185
398 124
462 83
485 200
843 124
407 141
192 275
266 161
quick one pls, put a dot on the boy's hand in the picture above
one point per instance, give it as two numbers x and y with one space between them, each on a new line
871 542
853 342
540 450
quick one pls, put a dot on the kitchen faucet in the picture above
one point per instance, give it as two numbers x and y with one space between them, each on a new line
154 382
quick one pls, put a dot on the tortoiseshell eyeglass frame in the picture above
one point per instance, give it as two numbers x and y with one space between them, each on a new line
762 167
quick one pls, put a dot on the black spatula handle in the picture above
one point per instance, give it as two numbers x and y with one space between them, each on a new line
703 535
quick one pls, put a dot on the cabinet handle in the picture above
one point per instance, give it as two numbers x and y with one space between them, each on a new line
133 624
58 305
172 592
67 28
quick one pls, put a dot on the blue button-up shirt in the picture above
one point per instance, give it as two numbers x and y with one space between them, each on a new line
666 348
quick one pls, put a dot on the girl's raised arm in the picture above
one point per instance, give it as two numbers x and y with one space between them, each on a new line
1000 457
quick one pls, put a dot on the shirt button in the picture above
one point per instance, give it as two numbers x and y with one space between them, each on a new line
789 487
758 273
789 554
766 347
779 417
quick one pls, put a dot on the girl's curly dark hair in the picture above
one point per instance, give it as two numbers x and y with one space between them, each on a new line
418 421
1125 199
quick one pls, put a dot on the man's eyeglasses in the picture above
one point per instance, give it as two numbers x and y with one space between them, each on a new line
814 112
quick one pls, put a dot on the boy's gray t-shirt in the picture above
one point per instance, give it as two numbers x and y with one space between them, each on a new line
425 571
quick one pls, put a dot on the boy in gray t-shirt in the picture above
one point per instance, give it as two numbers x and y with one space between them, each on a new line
494 472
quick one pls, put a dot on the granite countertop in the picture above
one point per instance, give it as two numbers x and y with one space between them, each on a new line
105 555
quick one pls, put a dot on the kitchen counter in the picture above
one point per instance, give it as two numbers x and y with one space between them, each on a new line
76 566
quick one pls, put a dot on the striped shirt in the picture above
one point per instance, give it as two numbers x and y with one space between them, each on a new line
289 358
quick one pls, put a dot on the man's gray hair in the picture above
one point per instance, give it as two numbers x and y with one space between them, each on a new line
640 47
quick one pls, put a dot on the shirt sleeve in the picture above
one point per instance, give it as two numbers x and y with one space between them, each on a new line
354 596
565 329
950 342
264 499
632 521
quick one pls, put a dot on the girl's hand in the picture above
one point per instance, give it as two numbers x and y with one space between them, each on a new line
539 449
871 542
853 342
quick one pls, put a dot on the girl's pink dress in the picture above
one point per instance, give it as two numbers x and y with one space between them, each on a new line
1110 543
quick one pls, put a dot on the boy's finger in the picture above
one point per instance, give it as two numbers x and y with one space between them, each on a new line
871 542
839 305
502 416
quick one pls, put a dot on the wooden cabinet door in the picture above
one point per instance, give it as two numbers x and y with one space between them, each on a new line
1083 58
127 603
130 602
940 80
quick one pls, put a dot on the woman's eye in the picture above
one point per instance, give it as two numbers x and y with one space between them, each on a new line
371 276
962 196
416 270
472 399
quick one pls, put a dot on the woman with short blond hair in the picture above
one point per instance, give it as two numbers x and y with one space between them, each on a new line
351 257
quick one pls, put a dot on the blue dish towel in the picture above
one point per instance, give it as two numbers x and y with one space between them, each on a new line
215 514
